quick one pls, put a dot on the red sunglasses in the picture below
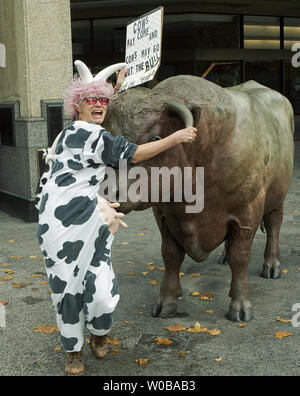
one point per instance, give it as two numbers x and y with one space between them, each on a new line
94 100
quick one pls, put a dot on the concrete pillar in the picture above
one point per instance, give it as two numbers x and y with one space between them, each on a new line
37 38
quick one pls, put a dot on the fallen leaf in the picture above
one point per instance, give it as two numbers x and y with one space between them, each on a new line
34 276
3 302
292 211
32 257
44 283
124 243
6 278
114 351
279 319
214 332
150 263
126 321
175 328
194 275
18 285
196 293
293 223
87 340
163 341
282 334
196 328
45 329
113 341
57 348
141 361
284 271
11 241
8 271
219 359
5 265
151 267
154 282
35 289
141 234
241 325
161 268
145 273
182 353
181 274
205 296
209 311
132 273
129 262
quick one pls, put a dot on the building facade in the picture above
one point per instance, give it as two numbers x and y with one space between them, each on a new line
227 42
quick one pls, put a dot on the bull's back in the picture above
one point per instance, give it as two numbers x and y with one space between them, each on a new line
264 131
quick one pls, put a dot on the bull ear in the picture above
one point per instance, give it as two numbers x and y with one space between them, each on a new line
189 117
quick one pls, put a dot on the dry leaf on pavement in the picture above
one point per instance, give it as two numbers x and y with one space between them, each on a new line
279 319
163 341
141 361
45 329
175 328
282 334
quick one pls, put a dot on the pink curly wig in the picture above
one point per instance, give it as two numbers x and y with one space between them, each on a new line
78 90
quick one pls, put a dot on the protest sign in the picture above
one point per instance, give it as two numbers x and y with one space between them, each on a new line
143 48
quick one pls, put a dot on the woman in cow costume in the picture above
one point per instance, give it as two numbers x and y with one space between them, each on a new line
76 226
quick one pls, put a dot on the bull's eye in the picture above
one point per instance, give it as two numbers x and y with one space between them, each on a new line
155 138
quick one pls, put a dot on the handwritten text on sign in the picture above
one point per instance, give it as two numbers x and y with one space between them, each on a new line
143 48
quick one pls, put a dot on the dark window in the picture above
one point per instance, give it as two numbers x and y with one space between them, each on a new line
7 133
266 73
54 122
292 86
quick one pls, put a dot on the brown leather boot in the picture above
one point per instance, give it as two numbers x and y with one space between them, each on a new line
98 346
74 363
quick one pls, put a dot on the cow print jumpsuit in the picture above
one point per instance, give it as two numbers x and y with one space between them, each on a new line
72 234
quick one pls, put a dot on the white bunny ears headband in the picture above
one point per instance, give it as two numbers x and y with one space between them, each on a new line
87 77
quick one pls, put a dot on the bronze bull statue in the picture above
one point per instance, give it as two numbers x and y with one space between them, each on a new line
245 145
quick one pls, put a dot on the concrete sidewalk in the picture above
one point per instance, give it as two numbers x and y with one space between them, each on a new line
249 350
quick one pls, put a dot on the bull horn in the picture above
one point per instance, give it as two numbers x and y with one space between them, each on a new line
84 72
182 111
108 71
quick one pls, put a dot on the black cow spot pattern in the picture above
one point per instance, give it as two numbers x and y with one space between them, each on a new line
94 144
92 164
77 157
70 251
90 287
74 165
114 290
65 179
76 270
101 252
43 202
70 307
103 322
56 284
42 229
77 211
57 165
78 139
49 262
93 181
68 343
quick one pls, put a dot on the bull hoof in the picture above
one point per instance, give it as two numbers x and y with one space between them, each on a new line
270 273
164 312
168 311
244 315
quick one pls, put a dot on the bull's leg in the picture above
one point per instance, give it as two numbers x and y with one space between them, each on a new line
173 256
238 255
272 223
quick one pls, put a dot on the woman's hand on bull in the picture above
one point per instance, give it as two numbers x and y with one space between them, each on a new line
186 135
